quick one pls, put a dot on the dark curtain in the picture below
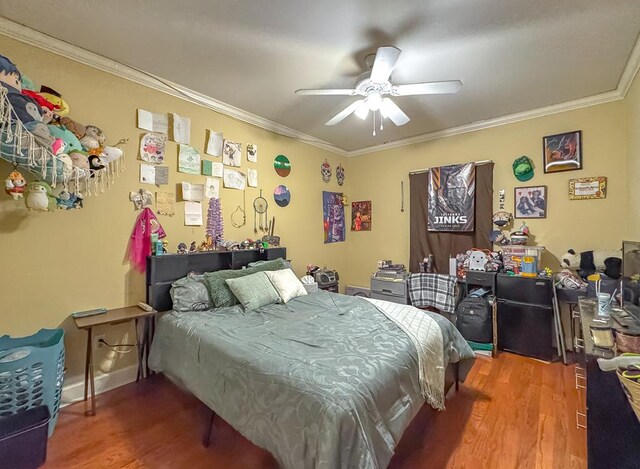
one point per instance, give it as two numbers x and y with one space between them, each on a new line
443 244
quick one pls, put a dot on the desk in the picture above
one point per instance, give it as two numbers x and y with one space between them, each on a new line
613 432
115 316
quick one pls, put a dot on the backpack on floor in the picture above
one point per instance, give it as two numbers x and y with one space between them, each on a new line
474 319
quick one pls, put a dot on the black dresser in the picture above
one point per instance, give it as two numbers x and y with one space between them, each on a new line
613 432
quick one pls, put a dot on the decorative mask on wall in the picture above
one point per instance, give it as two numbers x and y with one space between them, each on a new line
340 174
325 170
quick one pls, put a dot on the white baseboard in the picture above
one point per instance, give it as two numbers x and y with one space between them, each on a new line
106 382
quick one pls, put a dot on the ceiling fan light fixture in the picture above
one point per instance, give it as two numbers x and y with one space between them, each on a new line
362 111
374 100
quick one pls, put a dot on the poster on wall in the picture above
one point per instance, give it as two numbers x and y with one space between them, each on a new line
361 216
451 198
333 217
530 202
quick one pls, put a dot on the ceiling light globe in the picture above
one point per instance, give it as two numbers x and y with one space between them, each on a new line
374 100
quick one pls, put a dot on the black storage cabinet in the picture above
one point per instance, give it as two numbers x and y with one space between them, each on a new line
23 439
525 316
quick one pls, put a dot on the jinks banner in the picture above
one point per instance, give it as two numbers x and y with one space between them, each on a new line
452 196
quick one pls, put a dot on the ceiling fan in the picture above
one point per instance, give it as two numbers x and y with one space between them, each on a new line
374 86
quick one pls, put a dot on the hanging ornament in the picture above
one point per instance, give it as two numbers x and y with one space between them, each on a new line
15 184
340 174
325 170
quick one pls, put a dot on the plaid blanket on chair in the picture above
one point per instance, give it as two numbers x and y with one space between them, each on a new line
435 290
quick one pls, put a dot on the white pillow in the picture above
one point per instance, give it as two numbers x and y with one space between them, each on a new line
287 284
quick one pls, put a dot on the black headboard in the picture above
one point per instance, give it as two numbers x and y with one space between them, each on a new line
166 269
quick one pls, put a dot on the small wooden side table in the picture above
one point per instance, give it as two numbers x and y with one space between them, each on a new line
116 316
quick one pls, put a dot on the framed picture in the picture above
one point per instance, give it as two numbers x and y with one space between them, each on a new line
530 202
562 152
588 188
361 216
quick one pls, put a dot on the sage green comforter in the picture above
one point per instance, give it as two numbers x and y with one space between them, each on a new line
324 381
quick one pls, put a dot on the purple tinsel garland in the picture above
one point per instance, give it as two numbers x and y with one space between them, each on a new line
215 228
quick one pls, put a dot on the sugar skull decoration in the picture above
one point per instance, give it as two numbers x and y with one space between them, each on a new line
15 184
325 170
340 174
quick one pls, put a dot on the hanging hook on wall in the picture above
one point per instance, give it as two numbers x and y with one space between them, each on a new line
239 212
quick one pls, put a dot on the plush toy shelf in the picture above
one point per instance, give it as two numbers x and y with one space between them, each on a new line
19 147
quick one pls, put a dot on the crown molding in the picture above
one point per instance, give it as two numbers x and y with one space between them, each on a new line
630 70
495 122
43 41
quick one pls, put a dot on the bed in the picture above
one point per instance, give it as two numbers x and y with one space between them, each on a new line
323 381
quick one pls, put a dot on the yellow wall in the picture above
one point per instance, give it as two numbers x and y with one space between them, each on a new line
61 262
57 263
583 225
632 108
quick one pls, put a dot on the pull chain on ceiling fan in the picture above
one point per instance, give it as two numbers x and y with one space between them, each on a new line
374 86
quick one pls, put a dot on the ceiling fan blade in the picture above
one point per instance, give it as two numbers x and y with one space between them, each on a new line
434 87
328 92
386 58
389 109
344 113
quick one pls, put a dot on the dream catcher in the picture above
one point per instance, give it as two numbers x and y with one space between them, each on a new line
260 216
239 216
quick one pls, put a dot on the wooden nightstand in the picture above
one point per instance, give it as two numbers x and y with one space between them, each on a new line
116 316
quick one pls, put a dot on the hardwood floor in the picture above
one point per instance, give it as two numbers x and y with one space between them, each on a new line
512 412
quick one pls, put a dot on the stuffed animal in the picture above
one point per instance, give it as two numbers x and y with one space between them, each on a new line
93 140
41 134
110 154
47 108
478 260
71 141
76 128
182 248
77 203
65 199
502 218
15 184
95 163
58 146
39 196
25 109
10 76
51 95
589 262
79 160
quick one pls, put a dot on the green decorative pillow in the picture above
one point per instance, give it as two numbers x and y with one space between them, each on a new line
254 291
220 293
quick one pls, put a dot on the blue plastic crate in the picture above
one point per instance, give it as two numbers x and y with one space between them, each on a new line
31 373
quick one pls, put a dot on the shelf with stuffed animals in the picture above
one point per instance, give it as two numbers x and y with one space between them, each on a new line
37 135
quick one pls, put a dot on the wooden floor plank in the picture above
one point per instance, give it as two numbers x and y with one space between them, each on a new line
512 412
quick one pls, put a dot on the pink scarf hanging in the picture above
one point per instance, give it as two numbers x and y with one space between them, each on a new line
140 242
